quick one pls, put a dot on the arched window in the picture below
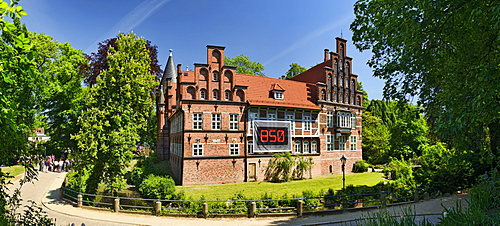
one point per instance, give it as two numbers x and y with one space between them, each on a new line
329 81
203 94
298 147
228 95
353 85
358 100
215 94
323 95
314 147
329 96
216 76
347 68
306 147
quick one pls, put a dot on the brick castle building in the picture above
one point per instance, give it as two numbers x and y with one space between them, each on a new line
207 117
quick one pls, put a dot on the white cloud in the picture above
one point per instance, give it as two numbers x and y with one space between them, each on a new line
130 21
311 36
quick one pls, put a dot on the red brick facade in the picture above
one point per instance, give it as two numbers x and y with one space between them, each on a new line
205 118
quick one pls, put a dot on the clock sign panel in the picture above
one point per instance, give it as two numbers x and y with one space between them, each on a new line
272 136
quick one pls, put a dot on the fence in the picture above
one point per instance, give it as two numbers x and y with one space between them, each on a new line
246 208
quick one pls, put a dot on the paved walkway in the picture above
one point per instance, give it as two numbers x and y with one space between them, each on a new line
46 192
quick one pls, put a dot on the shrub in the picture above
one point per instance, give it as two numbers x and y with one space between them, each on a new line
360 166
157 187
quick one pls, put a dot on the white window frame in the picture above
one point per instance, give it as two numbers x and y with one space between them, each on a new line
271 115
197 149
215 94
314 147
298 146
233 121
252 115
353 143
305 147
290 116
330 119
216 118
279 95
227 95
197 121
330 142
342 143
307 122
203 95
234 149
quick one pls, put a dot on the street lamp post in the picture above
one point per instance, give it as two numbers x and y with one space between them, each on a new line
343 160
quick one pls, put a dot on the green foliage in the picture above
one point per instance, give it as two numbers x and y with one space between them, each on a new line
117 112
284 167
483 206
58 66
157 187
376 139
429 49
401 172
384 217
361 166
447 170
244 65
294 70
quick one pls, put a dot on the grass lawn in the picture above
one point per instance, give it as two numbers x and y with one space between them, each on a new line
13 170
258 189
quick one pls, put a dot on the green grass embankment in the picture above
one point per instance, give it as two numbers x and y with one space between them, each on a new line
277 190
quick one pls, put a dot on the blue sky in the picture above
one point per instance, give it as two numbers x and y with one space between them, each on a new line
275 33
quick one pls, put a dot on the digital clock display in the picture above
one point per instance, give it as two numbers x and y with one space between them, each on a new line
272 136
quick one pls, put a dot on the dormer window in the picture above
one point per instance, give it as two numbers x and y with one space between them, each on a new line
279 95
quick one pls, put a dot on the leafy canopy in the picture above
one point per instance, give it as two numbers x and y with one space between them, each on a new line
447 54
245 66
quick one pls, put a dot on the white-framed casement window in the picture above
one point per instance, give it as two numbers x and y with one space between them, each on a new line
306 147
298 147
279 95
234 149
250 147
353 121
307 123
228 95
197 121
330 141
344 119
197 149
329 119
314 147
233 122
342 141
353 143
215 121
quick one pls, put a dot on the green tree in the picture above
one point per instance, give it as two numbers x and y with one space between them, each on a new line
295 69
19 91
376 139
58 66
447 54
119 106
244 65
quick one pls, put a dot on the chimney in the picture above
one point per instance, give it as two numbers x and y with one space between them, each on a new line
326 55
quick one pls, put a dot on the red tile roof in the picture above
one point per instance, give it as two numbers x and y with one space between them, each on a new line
296 94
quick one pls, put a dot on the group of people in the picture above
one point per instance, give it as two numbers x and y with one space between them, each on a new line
50 164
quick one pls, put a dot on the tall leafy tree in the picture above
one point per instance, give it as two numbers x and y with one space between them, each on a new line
244 65
447 54
295 69
119 107
99 60
58 66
